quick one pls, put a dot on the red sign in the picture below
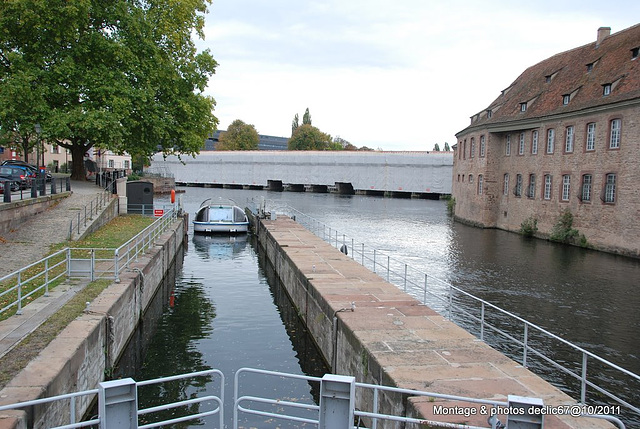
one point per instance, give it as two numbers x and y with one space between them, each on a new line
158 212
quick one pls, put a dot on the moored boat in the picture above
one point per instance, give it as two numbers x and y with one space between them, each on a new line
220 218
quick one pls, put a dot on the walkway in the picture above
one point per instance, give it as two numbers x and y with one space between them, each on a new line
29 243
403 343
33 238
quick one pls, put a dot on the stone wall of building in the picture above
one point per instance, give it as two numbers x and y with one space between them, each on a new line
613 227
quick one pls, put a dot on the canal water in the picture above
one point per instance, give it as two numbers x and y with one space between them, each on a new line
226 313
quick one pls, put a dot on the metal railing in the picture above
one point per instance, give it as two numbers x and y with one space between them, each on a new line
118 403
335 406
487 321
87 213
32 280
22 285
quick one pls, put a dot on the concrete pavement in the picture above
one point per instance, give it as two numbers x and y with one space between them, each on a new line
30 242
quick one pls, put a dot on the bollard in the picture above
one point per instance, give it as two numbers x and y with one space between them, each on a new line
53 186
68 184
7 192
34 189
43 186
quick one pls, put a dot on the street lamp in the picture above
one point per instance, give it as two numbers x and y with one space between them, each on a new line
38 131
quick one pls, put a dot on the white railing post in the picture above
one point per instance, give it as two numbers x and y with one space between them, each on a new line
388 264
118 404
424 301
19 311
93 264
405 277
337 402
374 260
363 254
46 277
68 262
115 266
482 322
526 345
583 382
353 249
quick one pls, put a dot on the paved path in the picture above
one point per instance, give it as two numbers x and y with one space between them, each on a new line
32 239
29 243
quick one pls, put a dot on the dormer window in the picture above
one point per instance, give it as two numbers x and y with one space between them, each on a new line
547 78
489 113
606 89
589 67
523 107
634 53
566 99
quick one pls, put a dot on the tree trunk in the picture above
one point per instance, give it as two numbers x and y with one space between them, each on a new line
77 162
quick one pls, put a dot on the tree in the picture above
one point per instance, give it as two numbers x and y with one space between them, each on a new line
306 119
446 147
308 137
121 75
239 136
294 124
436 148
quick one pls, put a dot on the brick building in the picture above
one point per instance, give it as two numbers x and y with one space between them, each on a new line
564 136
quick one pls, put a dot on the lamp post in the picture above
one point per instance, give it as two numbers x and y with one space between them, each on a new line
38 131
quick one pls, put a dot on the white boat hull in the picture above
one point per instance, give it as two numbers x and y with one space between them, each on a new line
220 227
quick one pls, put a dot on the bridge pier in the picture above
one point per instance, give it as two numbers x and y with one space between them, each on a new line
295 187
275 185
345 188
318 189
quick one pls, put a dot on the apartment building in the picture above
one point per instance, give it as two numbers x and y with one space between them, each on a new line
564 136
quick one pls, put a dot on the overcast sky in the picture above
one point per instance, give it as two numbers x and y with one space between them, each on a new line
394 74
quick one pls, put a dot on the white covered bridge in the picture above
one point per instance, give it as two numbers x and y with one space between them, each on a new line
427 173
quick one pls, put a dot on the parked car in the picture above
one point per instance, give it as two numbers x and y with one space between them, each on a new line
15 175
31 169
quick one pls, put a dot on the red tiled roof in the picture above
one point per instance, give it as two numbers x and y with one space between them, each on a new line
612 64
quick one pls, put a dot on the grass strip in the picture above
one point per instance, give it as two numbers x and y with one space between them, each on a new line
20 356
112 235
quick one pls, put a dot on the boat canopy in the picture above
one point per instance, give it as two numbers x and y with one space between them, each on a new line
230 214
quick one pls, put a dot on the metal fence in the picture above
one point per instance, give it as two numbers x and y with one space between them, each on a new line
118 404
20 287
485 320
86 214
334 406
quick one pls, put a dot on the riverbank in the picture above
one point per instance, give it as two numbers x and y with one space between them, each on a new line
389 338
84 352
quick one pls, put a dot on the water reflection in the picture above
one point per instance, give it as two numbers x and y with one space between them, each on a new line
219 246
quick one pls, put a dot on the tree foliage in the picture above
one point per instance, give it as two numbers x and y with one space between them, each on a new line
436 148
446 147
117 74
308 137
306 118
239 136
295 124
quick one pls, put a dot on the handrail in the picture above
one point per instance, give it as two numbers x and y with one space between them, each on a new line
88 211
445 303
78 262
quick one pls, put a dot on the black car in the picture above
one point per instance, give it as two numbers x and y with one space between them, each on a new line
31 169
15 175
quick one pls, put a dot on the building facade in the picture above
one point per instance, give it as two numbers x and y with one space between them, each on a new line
564 137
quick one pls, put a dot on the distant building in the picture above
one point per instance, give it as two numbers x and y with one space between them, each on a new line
564 136
265 143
